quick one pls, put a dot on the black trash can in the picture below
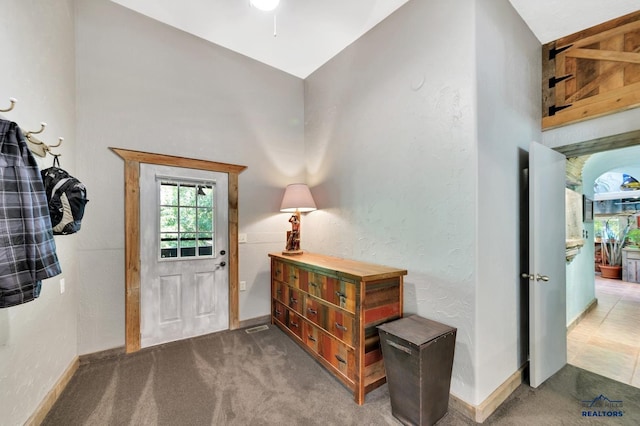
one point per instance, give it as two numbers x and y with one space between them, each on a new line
418 358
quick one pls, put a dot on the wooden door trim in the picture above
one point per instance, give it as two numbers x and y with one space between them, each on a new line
132 161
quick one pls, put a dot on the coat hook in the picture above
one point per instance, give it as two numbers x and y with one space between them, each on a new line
42 126
60 140
13 104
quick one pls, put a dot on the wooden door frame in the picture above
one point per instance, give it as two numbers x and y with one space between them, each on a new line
132 160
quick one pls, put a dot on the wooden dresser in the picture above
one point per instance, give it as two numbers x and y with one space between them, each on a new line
331 307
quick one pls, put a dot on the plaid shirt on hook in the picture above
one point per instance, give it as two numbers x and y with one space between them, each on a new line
27 249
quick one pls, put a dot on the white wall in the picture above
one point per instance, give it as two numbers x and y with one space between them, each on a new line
508 62
38 339
391 157
394 149
581 278
146 86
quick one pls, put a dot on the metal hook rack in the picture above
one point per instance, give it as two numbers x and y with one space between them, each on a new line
39 148
13 104
43 125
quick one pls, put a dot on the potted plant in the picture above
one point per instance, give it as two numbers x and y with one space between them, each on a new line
612 244
634 238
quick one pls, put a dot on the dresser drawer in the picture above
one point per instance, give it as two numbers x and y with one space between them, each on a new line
333 290
312 337
285 272
277 270
339 355
341 324
295 323
295 299
280 291
279 312
338 323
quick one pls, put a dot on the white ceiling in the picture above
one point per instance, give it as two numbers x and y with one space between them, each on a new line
310 32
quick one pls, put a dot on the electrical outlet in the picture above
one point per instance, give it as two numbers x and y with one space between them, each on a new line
242 238
243 285
61 285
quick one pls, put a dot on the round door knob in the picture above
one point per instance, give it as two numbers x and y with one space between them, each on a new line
222 252
223 264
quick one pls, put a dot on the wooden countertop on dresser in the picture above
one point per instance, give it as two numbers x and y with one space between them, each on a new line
342 267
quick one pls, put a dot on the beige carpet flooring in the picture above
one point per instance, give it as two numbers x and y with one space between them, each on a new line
264 378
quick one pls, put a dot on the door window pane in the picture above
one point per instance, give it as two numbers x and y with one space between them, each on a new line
205 244
205 220
205 196
168 245
169 195
168 219
186 219
188 195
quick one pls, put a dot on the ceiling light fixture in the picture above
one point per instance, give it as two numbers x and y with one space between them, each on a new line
266 5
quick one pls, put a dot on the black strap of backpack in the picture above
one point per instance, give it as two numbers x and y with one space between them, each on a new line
56 162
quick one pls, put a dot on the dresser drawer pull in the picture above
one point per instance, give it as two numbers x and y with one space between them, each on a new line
313 339
295 277
278 272
312 311
341 327
313 284
341 294
294 324
293 301
279 292
340 359
278 312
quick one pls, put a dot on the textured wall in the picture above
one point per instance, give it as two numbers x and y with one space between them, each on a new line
391 157
581 278
38 339
508 81
145 86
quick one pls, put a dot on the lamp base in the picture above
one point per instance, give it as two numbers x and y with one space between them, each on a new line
291 252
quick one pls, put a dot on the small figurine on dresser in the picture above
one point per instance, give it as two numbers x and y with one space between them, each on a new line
293 236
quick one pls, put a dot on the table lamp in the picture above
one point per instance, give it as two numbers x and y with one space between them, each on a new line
297 199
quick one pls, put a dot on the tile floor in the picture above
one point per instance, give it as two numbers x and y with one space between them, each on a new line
607 340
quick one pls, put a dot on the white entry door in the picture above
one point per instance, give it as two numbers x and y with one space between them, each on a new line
183 253
547 279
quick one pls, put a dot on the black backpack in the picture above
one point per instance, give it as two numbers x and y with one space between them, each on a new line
67 198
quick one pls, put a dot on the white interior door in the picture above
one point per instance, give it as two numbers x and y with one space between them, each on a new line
547 285
183 253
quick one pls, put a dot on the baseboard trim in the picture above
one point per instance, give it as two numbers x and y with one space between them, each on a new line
266 319
464 408
45 406
592 305
480 413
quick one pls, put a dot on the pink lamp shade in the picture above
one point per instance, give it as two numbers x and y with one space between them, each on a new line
297 196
